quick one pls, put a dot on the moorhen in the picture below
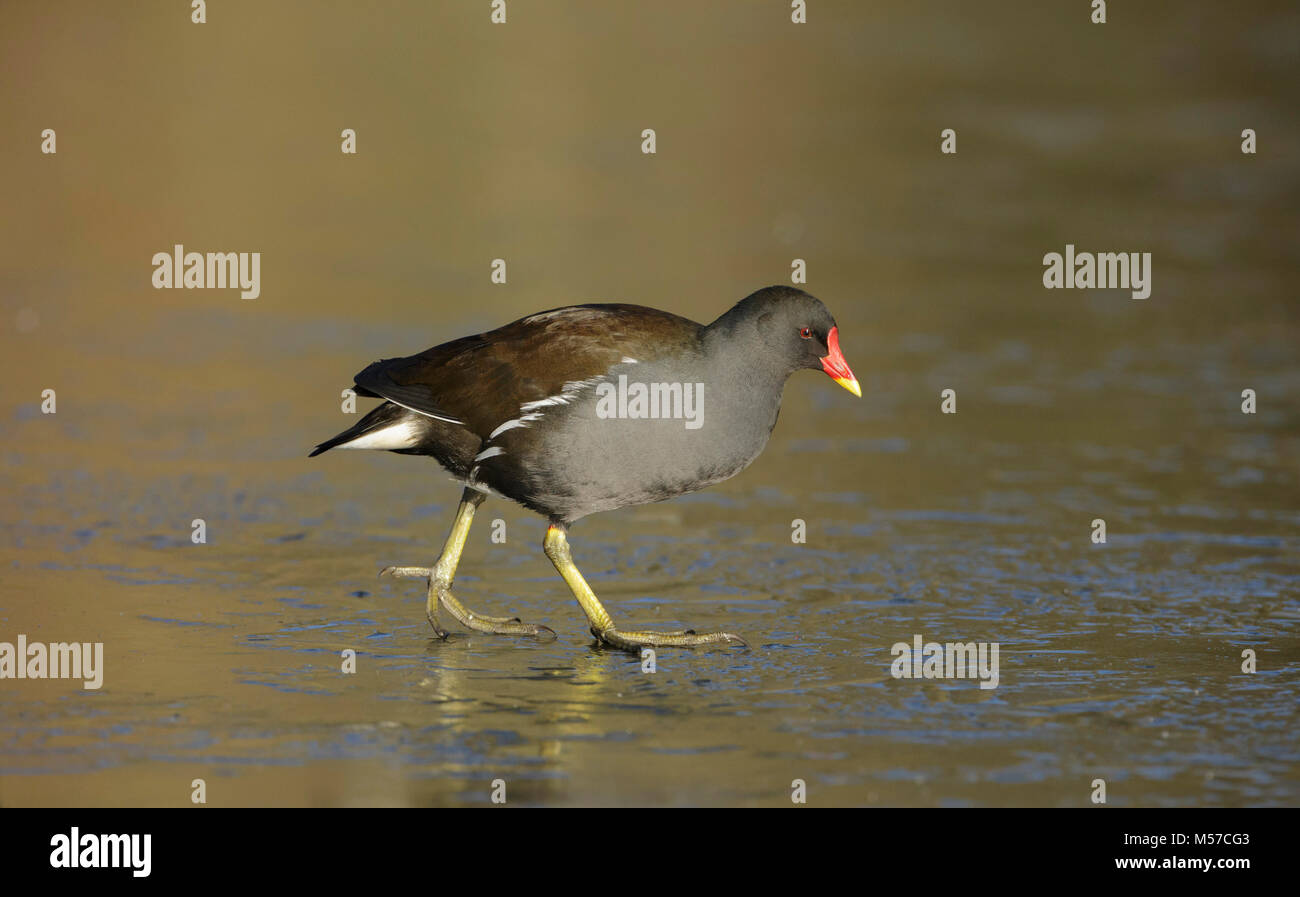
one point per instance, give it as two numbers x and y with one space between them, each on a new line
590 408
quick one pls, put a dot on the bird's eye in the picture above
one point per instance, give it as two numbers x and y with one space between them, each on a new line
805 332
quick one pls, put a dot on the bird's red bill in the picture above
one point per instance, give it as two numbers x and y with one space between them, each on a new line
836 367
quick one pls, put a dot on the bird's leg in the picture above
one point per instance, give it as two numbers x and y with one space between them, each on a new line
602 627
443 572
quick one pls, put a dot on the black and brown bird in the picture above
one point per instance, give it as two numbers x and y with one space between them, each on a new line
590 408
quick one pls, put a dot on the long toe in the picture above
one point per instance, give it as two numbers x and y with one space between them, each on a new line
407 572
499 626
484 623
685 638
438 630
514 627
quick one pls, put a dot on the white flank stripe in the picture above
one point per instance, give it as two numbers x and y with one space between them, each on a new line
490 453
568 393
511 424
545 403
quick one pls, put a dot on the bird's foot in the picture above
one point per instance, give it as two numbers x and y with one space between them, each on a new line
440 596
682 638
483 623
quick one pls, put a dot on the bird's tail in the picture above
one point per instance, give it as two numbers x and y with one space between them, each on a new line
387 427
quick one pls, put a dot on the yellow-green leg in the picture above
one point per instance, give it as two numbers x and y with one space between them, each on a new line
443 572
602 627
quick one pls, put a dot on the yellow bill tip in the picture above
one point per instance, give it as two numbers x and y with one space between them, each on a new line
851 384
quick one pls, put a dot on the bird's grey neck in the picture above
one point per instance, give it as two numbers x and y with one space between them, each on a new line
733 356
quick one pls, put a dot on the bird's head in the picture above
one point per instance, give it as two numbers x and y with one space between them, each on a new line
796 330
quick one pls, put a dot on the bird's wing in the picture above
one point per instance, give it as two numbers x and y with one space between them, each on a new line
483 380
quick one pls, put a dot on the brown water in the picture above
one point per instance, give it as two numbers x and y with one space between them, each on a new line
1119 661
